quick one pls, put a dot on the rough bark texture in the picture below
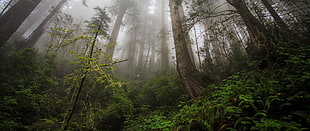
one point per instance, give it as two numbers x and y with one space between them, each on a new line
185 31
14 17
186 69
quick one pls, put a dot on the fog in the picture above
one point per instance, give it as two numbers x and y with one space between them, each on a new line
140 35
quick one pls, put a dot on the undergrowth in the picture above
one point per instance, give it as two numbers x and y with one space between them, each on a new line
266 100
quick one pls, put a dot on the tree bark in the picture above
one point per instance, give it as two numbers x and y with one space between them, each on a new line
276 17
38 32
112 42
131 51
260 38
285 30
152 57
15 16
164 46
187 71
6 7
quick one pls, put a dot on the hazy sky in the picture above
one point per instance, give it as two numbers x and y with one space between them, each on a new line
80 11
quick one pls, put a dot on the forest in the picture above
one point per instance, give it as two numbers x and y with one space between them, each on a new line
155 65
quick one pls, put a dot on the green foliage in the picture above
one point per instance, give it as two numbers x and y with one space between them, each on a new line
101 20
25 78
161 90
250 100
155 120
155 100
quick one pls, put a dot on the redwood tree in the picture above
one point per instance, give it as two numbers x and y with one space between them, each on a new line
15 16
186 69
122 8
261 39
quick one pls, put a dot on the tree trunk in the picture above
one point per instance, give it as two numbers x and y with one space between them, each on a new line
14 17
83 77
6 7
152 58
131 51
260 38
187 71
185 31
38 32
164 46
283 27
197 47
276 17
112 42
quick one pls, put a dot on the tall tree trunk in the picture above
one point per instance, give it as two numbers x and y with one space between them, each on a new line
260 38
164 46
276 17
141 54
283 27
131 51
112 42
152 58
186 69
197 47
38 32
185 30
145 32
14 17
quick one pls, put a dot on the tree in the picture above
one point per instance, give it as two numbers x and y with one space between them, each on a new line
186 69
37 33
122 8
261 39
7 5
163 32
100 21
14 17
283 27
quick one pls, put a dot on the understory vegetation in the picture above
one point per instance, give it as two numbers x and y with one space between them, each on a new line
252 99
33 98
249 70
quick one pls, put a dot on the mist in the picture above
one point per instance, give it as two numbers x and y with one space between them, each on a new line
141 65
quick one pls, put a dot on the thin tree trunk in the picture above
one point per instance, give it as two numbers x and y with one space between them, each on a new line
186 69
86 70
15 16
